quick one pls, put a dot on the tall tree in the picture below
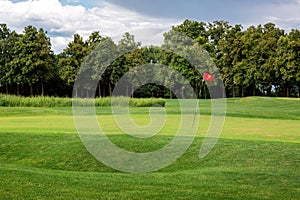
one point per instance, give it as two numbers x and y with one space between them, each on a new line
98 65
229 57
288 62
132 56
192 29
33 59
251 39
94 40
267 55
45 61
216 31
6 53
197 31
71 59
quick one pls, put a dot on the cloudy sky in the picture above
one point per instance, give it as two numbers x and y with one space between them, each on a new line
147 19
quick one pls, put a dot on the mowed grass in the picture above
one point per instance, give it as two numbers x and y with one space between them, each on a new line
257 156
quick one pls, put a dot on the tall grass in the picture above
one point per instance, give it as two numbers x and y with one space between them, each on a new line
20 101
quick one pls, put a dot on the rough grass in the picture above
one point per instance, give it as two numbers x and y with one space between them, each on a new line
257 156
19 101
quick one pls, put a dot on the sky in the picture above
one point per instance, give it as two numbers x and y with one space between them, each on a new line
146 19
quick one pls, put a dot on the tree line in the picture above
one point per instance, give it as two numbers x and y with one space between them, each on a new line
260 60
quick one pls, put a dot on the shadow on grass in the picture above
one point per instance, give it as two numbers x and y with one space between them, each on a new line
66 152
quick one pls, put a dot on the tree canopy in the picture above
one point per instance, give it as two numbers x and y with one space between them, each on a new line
258 60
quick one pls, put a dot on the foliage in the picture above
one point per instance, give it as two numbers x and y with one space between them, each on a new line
260 60
33 59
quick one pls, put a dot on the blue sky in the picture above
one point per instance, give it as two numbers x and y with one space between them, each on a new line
63 18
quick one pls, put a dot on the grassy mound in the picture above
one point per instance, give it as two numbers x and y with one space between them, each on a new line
50 166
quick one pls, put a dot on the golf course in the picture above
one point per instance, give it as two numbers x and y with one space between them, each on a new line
256 157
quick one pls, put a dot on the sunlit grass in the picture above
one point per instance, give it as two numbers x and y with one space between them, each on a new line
257 156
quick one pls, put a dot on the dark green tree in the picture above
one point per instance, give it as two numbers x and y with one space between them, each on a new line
267 55
287 61
7 40
71 59
229 58
33 59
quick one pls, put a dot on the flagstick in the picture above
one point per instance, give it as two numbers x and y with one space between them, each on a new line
196 112
206 77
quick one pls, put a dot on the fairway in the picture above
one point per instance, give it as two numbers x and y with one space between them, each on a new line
257 156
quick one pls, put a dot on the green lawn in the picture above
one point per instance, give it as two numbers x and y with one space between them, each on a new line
257 156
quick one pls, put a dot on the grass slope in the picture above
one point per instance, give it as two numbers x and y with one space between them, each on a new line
257 157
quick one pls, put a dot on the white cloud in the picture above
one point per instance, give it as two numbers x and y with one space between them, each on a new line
59 43
61 22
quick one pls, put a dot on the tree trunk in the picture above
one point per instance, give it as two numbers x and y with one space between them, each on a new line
104 91
43 91
31 90
18 90
243 95
99 89
6 87
298 91
269 91
241 91
109 87
76 93
253 90
287 90
233 91
132 91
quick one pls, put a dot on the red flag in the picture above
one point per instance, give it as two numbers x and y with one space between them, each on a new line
208 77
